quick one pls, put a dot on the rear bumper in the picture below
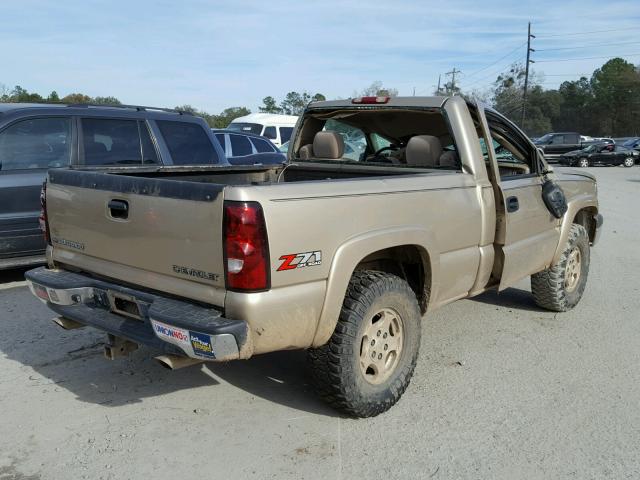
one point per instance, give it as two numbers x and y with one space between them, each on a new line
166 324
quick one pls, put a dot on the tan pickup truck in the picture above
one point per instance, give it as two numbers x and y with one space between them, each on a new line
339 256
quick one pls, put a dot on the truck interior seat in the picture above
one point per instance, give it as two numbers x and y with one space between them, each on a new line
305 152
449 159
328 145
423 151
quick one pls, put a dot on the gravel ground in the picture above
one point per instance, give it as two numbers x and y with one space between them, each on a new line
502 390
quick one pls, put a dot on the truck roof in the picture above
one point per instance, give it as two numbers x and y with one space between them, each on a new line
429 102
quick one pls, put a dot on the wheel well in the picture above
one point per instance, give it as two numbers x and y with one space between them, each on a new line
409 262
585 218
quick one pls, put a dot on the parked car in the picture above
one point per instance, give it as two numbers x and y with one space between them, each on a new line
338 256
555 144
35 138
277 128
634 144
601 154
247 148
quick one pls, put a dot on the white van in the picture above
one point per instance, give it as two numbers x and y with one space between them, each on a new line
277 128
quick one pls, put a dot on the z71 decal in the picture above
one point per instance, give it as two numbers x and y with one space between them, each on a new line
300 260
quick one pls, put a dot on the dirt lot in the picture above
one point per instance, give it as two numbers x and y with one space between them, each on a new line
502 390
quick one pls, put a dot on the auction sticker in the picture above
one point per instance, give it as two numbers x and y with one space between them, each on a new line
202 345
171 334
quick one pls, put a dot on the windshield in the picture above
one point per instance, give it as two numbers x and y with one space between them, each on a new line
245 127
590 148
631 142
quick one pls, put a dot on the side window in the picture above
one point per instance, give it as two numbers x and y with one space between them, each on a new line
514 155
270 133
557 140
36 143
285 134
240 145
149 154
188 143
111 141
262 146
221 141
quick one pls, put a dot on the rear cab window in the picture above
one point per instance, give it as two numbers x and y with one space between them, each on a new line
399 137
188 143
36 143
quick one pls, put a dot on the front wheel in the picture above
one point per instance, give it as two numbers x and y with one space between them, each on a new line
559 288
367 364
629 162
583 162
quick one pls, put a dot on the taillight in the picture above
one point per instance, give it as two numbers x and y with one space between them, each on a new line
246 247
370 100
42 219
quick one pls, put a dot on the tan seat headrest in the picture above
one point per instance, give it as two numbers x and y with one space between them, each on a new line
423 151
328 145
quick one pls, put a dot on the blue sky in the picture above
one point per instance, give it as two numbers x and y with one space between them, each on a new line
214 54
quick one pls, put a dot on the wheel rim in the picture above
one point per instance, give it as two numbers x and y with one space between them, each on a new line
584 162
381 346
628 162
573 270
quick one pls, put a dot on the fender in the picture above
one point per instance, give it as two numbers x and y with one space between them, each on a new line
574 206
353 251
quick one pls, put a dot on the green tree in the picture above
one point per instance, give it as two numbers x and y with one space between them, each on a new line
53 97
106 101
616 97
269 105
223 119
77 98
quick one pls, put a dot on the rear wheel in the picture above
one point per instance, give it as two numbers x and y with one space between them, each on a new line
367 364
583 162
629 162
559 288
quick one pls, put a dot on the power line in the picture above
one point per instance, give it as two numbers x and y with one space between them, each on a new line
587 46
589 58
587 33
495 72
499 60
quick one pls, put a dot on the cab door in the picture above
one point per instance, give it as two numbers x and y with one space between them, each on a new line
526 232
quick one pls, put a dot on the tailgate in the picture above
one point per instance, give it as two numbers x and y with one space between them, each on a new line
161 234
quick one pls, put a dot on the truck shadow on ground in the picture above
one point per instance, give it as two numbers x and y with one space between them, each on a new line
51 358
514 298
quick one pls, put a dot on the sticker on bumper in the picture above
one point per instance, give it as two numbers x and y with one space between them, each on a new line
170 334
202 344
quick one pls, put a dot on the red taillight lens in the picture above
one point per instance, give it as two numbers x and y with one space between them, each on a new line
370 100
246 247
42 219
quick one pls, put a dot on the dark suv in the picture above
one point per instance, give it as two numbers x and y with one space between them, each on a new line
37 137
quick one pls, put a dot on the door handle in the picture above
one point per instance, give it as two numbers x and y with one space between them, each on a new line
118 209
512 204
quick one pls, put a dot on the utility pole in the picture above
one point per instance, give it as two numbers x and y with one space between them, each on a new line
453 79
414 91
438 91
526 75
